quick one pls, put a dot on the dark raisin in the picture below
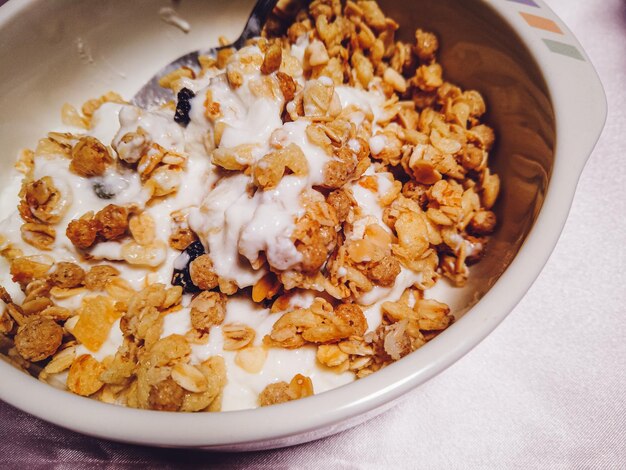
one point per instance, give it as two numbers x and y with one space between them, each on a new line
183 106
102 190
181 277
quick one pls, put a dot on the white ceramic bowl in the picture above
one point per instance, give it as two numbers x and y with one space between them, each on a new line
545 102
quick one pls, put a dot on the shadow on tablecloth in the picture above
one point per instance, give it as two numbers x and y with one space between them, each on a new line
28 442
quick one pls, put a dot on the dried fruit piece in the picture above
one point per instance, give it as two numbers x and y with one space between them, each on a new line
96 317
273 58
181 275
26 268
183 106
270 169
103 190
84 375
287 86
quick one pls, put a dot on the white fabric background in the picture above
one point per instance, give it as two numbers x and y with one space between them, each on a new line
546 390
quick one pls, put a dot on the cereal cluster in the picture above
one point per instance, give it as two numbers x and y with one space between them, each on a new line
422 157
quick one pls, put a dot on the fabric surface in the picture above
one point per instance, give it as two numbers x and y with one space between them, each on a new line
546 390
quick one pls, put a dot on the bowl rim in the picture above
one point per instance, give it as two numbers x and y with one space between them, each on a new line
330 408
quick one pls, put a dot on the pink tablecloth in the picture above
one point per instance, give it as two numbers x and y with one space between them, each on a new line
546 390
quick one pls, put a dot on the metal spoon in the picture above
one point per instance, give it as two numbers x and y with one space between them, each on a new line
153 94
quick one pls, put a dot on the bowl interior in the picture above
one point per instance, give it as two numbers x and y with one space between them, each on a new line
478 50
70 51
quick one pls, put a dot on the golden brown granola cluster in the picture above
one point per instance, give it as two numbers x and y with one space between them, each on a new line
438 208
146 372
436 220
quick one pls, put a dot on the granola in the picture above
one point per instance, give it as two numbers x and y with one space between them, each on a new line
272 232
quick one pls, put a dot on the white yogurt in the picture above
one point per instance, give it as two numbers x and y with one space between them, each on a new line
237 223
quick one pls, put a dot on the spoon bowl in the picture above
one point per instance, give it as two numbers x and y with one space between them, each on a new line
154 94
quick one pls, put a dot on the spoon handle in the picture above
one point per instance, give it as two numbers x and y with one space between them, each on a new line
257 19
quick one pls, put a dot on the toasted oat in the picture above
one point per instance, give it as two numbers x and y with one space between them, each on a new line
61 361
151 255
491 188
426 45
38 339
43 201
71 117
208 309
6 323
166 395
318 324
274 394
89 157
33 305
270 169
82 232
266 288
273 58
281 392
483 223
237 336
202 274
67 275
214 371
112 221
142 228
172 79
251 359
97 277
331 355
189 377
181 238
40 236
57 313
287 85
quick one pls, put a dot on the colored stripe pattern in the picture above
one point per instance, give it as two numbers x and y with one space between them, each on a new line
540 22
530 3
544 24
563 49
